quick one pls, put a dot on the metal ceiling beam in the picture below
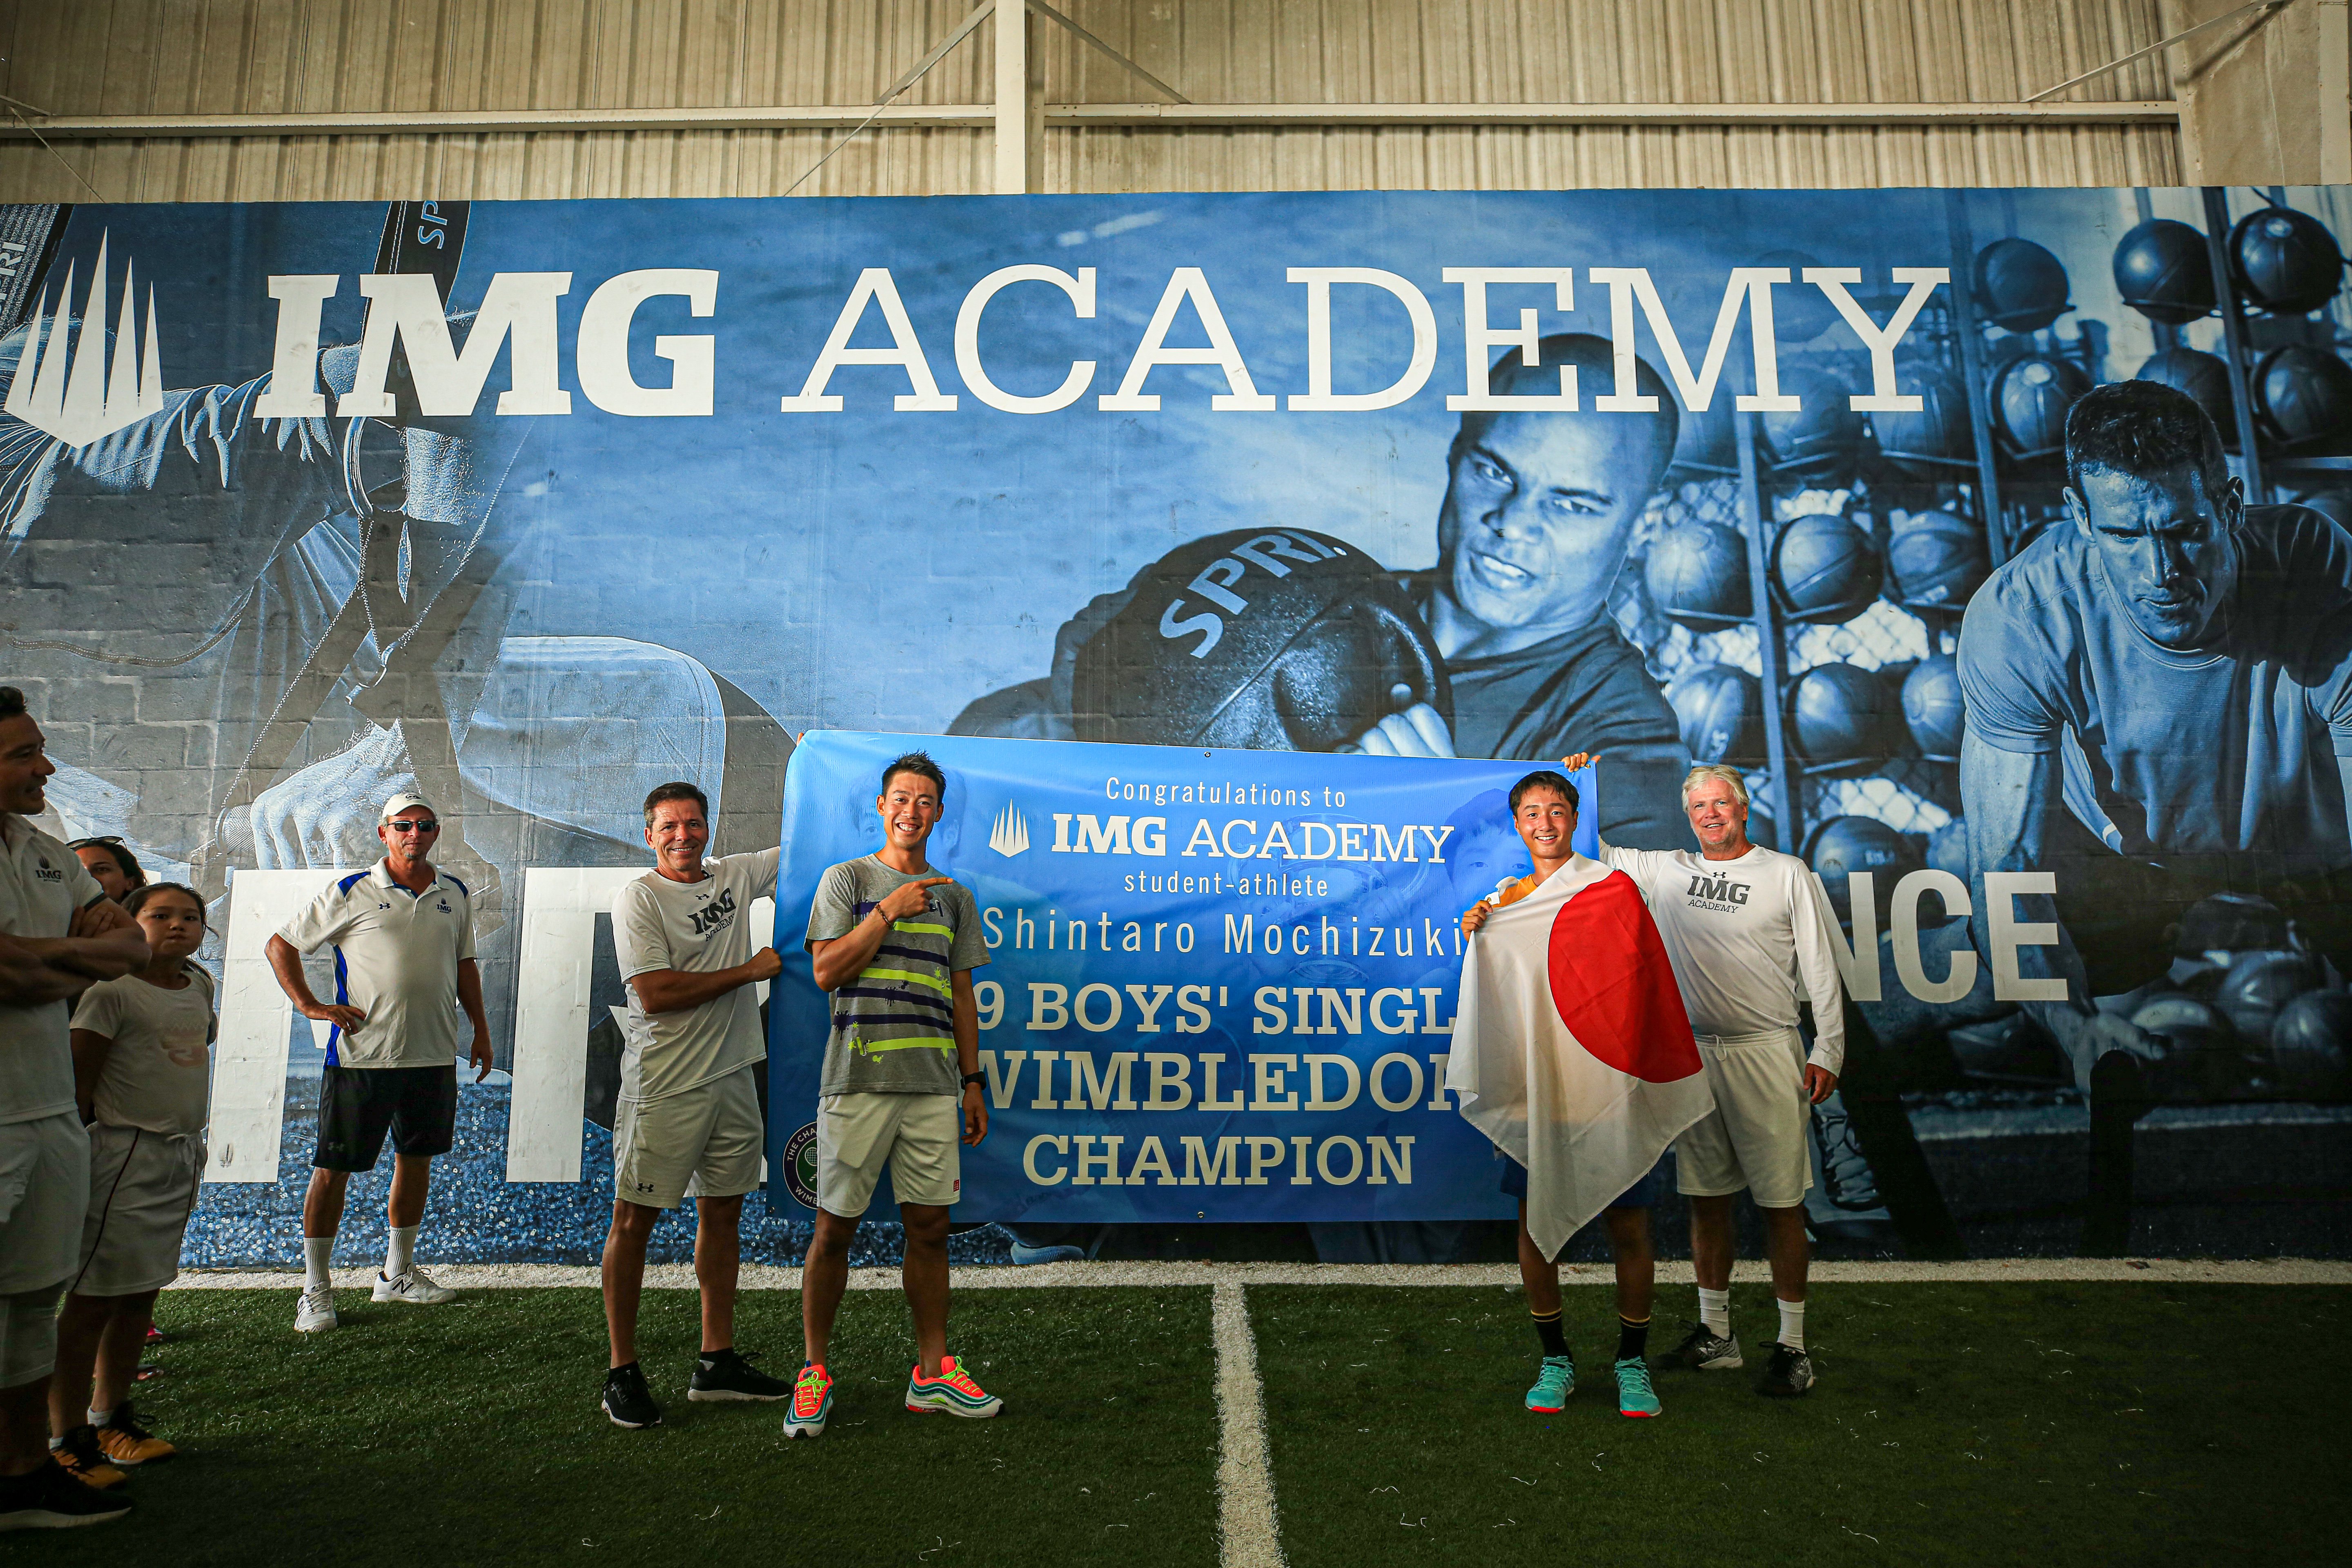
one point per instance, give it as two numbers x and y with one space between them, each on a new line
527 121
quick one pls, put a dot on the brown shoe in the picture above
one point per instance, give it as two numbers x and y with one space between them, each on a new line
80 1457
128 1444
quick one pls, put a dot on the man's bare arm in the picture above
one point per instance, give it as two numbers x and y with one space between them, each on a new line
28 980
286 963
676 991
101 943
836 961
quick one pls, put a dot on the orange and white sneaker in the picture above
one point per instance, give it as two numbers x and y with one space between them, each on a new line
954 1392
128 1444
812 1403
79 1457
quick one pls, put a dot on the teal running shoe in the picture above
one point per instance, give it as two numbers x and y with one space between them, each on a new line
952 1393
1554 1383
1636 1397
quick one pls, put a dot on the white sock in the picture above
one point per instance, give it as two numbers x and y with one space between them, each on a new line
1715 1311
100 1417
55 1442
401 1253
315 1250
1792 1324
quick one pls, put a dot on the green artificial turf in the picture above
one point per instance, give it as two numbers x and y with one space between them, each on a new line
470 1434
2050 1424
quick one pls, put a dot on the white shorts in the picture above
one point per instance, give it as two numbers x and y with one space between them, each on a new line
705 1142
1759 1134
44 1192
142 1187
918 1136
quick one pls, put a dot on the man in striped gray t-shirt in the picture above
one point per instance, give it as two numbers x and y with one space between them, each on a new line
895 943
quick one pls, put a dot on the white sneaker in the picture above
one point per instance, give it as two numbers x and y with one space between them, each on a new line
316 1310
414 1287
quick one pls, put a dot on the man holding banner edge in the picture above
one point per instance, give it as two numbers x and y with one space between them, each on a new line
894 944
1571 1052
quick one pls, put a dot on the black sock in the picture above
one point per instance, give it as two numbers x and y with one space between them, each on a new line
1547 1330
1632 1338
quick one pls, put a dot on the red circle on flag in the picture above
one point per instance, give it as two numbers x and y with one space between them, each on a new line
1613 986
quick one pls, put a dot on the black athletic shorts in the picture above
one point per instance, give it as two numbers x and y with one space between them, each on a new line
358 1105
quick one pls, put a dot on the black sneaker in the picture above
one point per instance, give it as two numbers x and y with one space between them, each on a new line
49 1499
1789 1376
729 1374
626 1400
1704 1350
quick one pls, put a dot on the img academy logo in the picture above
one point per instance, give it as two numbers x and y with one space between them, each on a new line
1008 835
65 385
1718 893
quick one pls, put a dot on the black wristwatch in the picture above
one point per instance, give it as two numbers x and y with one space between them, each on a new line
973 1077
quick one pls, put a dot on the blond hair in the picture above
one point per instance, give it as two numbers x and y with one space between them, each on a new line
1706 771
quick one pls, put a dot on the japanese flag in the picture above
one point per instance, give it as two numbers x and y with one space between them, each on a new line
1572 1051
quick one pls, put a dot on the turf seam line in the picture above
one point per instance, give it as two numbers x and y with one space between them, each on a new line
1249 1533
1164 1276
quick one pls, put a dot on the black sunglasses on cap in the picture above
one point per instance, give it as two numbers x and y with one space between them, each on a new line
112 838
421 823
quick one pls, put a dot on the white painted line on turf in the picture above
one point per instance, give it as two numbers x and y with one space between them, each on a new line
1248 1534
1164 1276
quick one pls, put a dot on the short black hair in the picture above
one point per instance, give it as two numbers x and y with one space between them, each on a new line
1544 778
118 852
2142 429
1593 358
12 702
139 897
680 790
916 762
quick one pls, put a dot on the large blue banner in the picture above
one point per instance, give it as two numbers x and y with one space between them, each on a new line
1220 984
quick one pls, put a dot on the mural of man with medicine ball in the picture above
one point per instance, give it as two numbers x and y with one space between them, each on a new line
1285 640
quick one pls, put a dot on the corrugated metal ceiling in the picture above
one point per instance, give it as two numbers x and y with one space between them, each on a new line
215 57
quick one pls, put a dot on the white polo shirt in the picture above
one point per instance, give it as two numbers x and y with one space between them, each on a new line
396 957
694 928
42 883
1747 938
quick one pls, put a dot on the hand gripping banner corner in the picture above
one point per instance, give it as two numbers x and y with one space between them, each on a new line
1221 984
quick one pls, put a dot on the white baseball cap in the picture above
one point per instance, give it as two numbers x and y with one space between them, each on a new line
401 805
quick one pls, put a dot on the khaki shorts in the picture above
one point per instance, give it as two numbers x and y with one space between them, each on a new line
44 1192
1759 1134
142 1187
918 1136
705 1142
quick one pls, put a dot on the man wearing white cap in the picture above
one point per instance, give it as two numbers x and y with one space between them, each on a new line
403 939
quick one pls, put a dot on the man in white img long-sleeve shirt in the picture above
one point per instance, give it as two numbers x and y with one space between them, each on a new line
1747 930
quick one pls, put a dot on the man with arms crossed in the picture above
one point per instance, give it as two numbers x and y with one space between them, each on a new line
403 939
1748 929
58 935
896 944
688 1121
1543 809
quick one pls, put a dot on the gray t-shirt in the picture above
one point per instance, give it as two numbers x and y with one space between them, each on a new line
156 1076
893 1024
694 928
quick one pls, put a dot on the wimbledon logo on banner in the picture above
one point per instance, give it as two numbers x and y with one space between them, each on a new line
1221 984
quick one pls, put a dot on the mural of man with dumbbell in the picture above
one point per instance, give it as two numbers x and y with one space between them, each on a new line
1505 648
2160 712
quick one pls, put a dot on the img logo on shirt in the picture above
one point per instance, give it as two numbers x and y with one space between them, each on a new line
1717 893
714 915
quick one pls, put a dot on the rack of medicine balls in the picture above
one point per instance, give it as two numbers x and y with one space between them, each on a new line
1888 523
